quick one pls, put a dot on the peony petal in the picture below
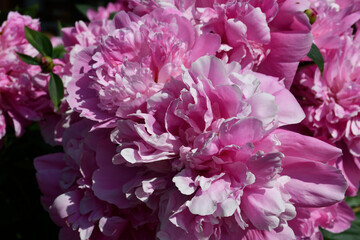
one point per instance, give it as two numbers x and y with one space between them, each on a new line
112 226
287 49
258 29
184 182
49 172
263 207
343 218
108 184
296 145
244 131
313 184
211 68
206 44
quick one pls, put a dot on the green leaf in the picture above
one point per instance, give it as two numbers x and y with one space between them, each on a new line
59 51
56 89
28 59
39 41
316 56
112 15
83 8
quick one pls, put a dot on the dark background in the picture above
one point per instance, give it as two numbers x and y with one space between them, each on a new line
21 213
52 11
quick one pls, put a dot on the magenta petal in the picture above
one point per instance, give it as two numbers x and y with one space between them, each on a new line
235 31
49 170
67 233
354 147
205 201
2 126
262 207
264 107
66 204
108 182
258 29
241 132
113 226
211 68
344 216
184 181
313 184
265 167
121 20
297 145
286 52
290 111
284 232
347 165
82 98
206 43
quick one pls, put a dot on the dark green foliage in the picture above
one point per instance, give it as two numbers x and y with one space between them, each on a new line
316 56
56 89
42 43
59 51
39 41
112 15
28 59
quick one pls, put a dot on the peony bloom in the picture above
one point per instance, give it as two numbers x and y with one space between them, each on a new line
77 189
103 13
80 36
334 19
195 93
331 101
114 78
335 218
23 91
215 161
270 37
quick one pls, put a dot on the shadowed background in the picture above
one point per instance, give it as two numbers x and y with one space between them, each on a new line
51 11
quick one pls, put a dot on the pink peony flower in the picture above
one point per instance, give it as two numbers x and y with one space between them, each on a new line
114 78
196 151
80 36
78 194
23 91
335 218
270 37
105 12
234 177
334 19
331 101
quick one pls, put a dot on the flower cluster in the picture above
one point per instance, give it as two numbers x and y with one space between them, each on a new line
331 99
23 89
178 120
